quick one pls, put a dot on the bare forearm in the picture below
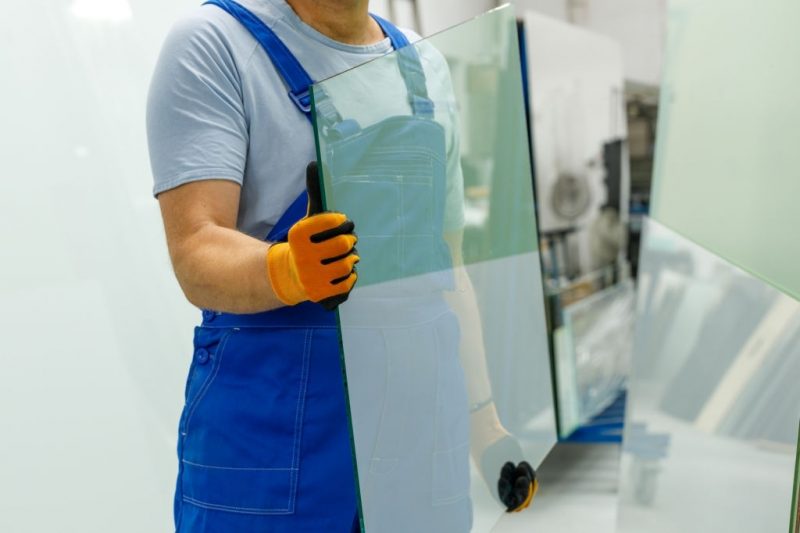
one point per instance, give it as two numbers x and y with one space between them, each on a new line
473 354
225 270
465 304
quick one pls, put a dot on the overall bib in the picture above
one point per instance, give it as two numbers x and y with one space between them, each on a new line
264 442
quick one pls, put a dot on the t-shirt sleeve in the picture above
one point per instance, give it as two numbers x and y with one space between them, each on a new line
442 92
454 203
196 123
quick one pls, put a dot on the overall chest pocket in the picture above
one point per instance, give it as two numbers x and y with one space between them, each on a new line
241 426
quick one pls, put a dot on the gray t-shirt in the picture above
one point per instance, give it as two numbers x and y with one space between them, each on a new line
218 109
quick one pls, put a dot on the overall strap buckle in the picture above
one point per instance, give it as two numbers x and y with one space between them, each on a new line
302 100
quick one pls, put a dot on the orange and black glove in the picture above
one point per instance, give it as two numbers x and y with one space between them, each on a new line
501 461
517 486
318 261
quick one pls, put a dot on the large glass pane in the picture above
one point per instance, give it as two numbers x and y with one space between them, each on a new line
726 172
444 338
96 333
711 432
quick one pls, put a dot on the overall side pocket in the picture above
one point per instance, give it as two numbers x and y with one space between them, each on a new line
209 346
243 422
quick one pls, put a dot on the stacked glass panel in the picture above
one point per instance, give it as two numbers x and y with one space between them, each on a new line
711 430
726 170
711 440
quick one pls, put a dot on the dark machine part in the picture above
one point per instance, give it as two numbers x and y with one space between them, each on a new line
642 107
612 160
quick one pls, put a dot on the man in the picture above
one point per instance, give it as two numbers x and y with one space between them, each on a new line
229 154
264 442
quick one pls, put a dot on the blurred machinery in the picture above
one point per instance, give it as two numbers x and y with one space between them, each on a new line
579 150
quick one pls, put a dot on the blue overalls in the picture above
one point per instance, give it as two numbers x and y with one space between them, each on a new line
264 444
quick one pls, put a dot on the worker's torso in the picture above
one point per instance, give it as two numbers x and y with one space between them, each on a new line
281 139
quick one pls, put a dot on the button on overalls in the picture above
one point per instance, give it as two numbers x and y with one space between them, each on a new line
264 442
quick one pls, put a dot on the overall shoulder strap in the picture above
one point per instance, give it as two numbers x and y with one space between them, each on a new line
397 37
287 65
295 77
410 65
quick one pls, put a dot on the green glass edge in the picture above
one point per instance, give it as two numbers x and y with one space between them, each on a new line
793 522
342 366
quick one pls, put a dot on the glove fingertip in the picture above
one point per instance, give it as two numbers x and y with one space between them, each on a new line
508 470
314 189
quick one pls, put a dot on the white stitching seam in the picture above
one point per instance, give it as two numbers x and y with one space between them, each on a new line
460 494
298 421
255 469
242 510
218 352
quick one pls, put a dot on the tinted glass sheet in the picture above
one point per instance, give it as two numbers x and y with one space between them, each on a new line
593 354
448 311
726 171
96 333
711 430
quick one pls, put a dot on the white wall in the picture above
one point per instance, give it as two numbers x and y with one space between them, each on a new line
551 8
380 8
96 335
637 25
437 15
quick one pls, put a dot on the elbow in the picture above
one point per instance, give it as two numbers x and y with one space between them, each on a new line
194 295
190 288
184 266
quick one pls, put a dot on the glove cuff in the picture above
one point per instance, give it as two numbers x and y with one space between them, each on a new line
283 277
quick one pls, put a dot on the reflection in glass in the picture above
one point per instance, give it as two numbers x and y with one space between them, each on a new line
444 339
711 432
593 353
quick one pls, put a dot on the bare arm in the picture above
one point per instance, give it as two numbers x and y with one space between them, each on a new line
463 301
217 266
485 427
